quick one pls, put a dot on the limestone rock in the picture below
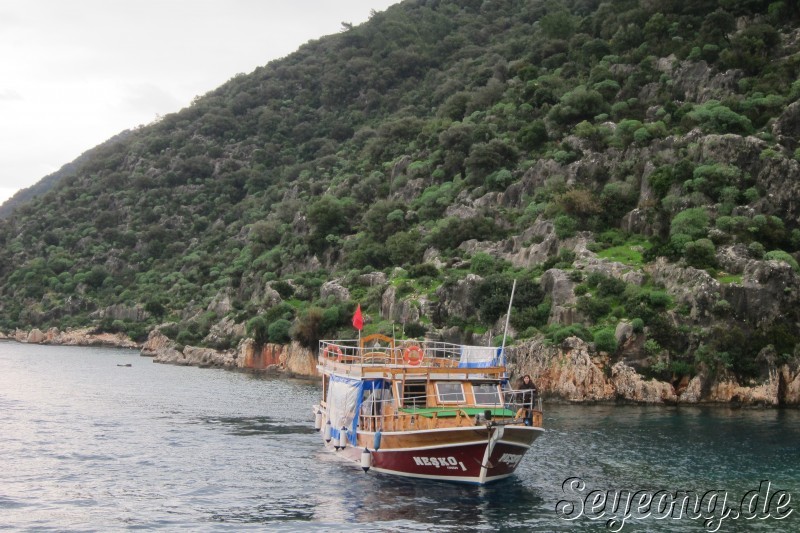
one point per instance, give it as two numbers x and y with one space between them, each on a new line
221 303
560 288
35 336
223 332
631 386
335 290
156 343
372 279
123 312
456 300
403 311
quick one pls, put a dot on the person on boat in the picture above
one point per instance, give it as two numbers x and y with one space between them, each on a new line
526 395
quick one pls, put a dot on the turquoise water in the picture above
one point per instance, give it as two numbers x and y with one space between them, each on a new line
86 445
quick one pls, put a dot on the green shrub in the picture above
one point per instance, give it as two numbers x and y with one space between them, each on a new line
415 330
700 253
557 334
652 348
423 270
482 264
565 226
257 329
278 332
605 340
692 222
780 255
593 307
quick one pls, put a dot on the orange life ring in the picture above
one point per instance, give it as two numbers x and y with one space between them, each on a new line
413 355
332 348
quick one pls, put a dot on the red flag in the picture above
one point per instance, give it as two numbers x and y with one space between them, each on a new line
358 320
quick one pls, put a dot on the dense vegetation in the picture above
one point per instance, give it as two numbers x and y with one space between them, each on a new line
391 146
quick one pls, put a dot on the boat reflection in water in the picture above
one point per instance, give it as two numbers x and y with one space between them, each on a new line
424 409
390 503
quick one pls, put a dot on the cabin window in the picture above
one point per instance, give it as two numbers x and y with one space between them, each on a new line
414 394
450 392
486 394
374 402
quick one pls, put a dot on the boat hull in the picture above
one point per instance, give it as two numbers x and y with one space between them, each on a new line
476 455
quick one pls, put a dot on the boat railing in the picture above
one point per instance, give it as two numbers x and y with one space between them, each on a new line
407 352
515 406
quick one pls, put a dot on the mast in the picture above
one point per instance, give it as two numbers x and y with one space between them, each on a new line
508 316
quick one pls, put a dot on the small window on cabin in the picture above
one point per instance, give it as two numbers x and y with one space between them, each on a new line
450 392
414 395
486 394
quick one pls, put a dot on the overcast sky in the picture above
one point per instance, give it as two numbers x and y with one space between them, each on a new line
75 72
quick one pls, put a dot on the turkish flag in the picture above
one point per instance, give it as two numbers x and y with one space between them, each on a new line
358 320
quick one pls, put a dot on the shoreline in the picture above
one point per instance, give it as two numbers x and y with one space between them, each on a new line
567 376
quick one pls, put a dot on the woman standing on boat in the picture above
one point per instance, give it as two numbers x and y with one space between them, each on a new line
527 396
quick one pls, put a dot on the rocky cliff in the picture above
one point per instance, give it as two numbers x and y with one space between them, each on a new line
72 337
574 371
290 359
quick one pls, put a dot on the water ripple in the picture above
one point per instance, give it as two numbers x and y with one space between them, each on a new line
87 446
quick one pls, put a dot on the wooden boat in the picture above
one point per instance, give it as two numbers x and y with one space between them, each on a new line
424 409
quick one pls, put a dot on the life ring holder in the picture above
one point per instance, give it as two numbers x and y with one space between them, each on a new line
333 349
413 355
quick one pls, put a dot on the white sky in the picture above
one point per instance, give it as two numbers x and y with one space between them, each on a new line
75 72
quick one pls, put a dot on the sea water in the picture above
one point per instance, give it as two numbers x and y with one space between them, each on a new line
89 445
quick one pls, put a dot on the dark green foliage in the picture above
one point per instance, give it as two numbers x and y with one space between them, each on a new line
284 289
413 330
354 152
557 334
452 231
565 226
605 341
492 297
257 329
423 270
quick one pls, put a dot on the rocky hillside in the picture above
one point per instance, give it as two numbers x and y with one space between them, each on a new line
633 165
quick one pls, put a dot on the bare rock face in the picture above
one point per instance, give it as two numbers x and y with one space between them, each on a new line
689 286
456 299
202 357
223 331
124 312
334 289
372 279
631 386
701 83
768 288
35 336
574 372
560 288
221 303
300 361
292 358
74 337
156 343
789 384
786 128
269 297
567 372
403 311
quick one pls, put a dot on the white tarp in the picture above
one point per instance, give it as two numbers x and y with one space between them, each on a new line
343 398
479 357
